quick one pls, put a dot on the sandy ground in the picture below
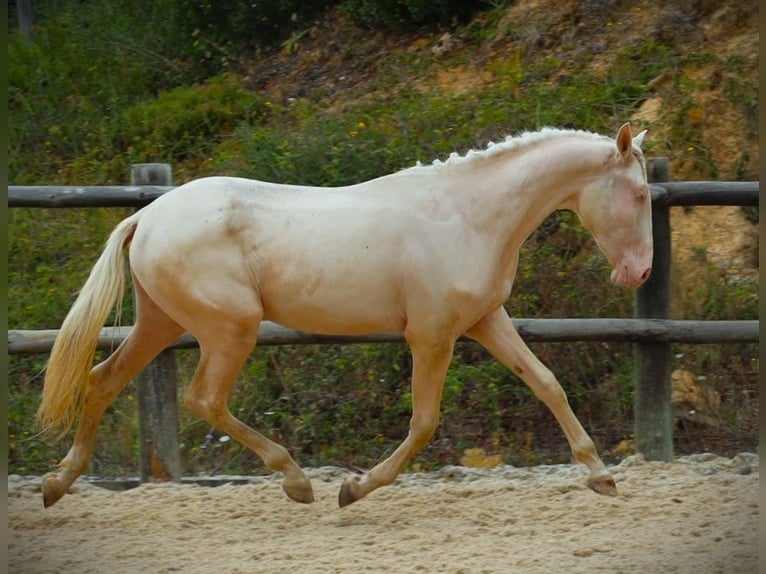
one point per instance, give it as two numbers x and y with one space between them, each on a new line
697 515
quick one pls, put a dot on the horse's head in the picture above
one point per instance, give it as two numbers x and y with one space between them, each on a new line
616 207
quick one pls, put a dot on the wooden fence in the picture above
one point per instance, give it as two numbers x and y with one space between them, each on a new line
651 331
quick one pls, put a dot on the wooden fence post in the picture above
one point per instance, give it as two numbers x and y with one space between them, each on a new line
653 411
156 386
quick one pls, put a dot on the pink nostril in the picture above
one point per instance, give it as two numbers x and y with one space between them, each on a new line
646 273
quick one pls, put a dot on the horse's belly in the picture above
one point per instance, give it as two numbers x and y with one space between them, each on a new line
339 312
328 280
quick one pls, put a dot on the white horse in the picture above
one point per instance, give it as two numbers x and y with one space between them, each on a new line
430 251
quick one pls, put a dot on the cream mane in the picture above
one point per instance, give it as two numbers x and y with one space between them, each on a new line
510 143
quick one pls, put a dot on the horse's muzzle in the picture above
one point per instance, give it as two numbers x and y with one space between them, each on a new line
624 275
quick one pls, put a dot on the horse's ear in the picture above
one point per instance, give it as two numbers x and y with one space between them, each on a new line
638 140
624 140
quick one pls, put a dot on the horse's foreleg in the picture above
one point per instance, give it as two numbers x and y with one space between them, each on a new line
498 335
429 366
208 397
153 332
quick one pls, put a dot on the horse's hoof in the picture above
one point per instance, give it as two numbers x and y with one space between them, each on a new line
299 491
53 489
602 484
350 491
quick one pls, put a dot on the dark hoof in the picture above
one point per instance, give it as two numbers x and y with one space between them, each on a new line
53 489
350 491
299 492
603 484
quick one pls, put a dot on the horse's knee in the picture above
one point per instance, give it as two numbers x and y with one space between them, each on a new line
423 427
550 391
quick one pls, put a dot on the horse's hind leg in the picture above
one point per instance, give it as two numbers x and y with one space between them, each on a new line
153 331
221 359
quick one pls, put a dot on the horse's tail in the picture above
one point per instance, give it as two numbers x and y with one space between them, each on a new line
71 358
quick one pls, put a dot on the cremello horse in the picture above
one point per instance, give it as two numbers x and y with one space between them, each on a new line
429 251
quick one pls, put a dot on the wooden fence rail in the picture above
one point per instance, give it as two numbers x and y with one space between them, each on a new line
28 342
666 194
651 332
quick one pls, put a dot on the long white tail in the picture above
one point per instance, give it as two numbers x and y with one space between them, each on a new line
71 358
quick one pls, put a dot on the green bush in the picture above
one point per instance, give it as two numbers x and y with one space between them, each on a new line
186 123
66 91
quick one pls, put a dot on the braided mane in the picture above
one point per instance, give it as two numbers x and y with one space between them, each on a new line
511 143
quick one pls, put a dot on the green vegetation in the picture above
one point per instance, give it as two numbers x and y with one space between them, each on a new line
105 85
410 15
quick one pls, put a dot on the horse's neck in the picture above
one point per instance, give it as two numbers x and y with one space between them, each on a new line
514 194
